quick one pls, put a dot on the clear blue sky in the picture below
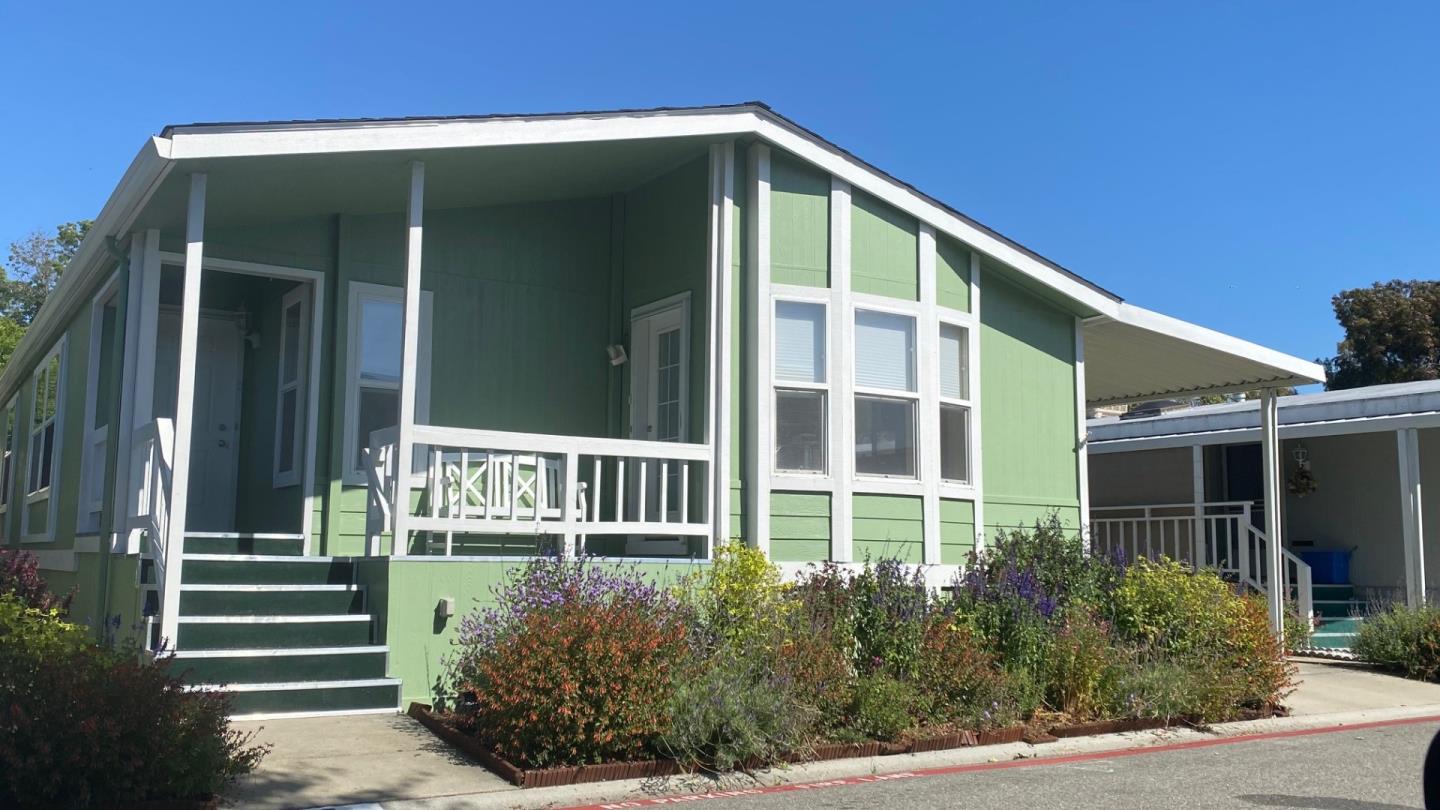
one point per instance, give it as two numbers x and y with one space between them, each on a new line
1233 164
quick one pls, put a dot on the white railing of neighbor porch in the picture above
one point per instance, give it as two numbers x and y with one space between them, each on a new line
1219 535
486 482
148 512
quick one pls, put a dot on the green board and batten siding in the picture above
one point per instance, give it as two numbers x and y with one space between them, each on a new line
884 249
888 527
799 223
952 274
1028 419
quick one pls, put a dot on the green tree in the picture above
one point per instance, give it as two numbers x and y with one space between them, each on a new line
31 272
1392 335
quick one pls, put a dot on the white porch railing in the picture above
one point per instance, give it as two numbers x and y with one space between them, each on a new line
148 513
1219 535
486 482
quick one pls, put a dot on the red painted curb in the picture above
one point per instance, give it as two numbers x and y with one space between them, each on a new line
1032 762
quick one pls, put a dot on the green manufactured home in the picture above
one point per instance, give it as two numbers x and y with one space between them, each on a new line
309 389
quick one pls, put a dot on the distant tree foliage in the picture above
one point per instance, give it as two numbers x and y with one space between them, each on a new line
1392 335
31 272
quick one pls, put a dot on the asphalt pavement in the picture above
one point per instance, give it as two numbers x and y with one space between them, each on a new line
1346 769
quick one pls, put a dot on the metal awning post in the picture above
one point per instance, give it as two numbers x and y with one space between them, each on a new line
1270 463
1407 443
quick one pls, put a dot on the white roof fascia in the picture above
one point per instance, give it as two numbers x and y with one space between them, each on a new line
140 180
228 141
1184 330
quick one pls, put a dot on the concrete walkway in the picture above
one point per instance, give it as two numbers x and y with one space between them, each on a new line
320 761
328 761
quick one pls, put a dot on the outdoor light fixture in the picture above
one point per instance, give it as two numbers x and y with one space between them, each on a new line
617 354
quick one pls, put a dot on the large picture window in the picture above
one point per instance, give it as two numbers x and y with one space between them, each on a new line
375 341
801 387
885 394
954 403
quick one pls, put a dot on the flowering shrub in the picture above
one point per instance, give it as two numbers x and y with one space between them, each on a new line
884 707
739 597
574 664
81 724
960 680
1403 639
20 575
1084 659
891 604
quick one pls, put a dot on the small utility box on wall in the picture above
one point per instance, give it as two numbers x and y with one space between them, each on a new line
445 608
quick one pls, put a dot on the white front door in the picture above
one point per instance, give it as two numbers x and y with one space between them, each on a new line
215 434
658 389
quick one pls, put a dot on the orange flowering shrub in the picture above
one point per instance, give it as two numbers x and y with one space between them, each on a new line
575 665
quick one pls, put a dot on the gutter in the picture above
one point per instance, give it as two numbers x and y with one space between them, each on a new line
93 259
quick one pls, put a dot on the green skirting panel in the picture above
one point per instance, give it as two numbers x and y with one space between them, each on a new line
799 526
957 530
888 527
405 593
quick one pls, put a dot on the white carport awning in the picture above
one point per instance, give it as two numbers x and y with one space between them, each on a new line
1141 355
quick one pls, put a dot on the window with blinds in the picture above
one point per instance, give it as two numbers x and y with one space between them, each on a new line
801 386
885 394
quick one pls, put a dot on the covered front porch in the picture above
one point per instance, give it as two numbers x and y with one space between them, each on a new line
533 330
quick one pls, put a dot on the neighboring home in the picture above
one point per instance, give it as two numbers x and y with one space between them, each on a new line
626 334
1353 505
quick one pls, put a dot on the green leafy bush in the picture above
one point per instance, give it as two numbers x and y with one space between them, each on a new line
960 681
81 724
20 575
884 706
733 712
1402 639
891 604
738 597
1084 661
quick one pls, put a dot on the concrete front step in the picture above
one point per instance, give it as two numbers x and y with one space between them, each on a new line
263 632
270 600
281 665
1348 625
266 569
309 696
1338 608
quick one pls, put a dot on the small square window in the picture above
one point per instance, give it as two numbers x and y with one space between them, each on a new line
800 430
884 436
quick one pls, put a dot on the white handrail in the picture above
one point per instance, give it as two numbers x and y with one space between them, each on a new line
151 451
1220 535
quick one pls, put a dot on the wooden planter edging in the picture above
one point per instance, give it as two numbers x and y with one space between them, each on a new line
644 769
540 777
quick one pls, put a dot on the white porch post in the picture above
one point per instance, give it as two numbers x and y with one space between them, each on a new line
1082 437
842 376
1198 544
184 408
410 360
928 342
722 307
1270 464
1407 444
757 368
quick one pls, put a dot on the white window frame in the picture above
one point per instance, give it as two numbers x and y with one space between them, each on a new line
867 303
360 291
794 294
955 318
87 518
57 447
11 414
291 477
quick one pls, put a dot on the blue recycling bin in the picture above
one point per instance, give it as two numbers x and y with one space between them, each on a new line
1330 567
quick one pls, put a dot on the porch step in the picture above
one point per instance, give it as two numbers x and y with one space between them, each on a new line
1338 608
266 569
262 632
244 543
1333 593
274 600
310 696
281 665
